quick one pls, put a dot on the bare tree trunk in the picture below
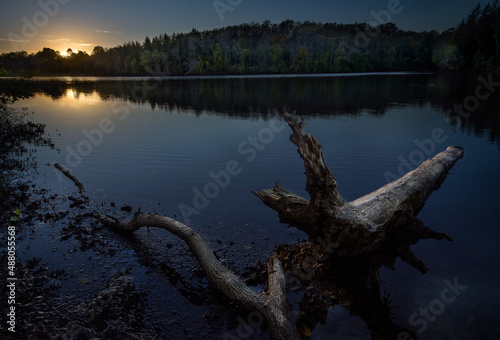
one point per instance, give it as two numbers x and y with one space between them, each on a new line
363 225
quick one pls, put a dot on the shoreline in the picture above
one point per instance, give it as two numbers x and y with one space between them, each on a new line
221 76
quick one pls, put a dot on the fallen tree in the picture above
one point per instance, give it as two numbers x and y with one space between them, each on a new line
348 241
368 223
272 306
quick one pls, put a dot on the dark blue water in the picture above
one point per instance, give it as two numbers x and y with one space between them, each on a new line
195 148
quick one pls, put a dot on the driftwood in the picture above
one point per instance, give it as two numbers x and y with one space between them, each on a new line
368 223
77 182
348 242
272 306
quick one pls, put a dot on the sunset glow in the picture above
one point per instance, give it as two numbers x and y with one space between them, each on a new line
83 25
134 133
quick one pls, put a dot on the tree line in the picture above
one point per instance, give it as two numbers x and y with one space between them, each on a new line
287 47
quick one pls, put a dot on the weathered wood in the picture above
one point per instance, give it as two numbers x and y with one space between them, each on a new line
320 183
357 237
363 225
290 206
273 306
75 180
278 317
407 193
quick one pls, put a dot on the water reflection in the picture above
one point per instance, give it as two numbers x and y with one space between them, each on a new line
263 97
18 136
354 283
251 98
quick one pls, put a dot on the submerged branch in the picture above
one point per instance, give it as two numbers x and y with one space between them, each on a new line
273 307
74 179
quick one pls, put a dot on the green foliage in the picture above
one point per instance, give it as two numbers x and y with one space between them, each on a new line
288 47
446 56
147 61
98 50
27 74
4 72
478 38
17 217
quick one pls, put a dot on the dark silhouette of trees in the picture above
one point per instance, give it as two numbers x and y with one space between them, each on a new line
288 47
478 37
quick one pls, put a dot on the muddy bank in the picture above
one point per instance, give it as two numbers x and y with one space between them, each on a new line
74 279
77 280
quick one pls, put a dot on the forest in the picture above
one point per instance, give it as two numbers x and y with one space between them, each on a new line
287 47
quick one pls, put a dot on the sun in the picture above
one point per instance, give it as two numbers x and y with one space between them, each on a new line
64 53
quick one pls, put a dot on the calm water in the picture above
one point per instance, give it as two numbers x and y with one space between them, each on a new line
159 143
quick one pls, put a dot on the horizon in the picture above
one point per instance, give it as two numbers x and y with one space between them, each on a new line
89 51
57 24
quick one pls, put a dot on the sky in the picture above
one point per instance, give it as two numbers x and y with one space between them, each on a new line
31 25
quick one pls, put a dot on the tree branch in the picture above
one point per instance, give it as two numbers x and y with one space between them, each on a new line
73 178
281 325
321 185
409 192
291 208
368 223
272 306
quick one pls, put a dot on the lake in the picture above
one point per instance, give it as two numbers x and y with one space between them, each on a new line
165 145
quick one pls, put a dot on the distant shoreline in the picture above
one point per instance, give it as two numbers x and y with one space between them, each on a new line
222 76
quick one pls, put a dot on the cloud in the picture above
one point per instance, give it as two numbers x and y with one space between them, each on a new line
55 41
107 32
14 40
82 44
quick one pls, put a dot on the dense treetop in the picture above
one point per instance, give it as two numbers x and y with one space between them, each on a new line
288 47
